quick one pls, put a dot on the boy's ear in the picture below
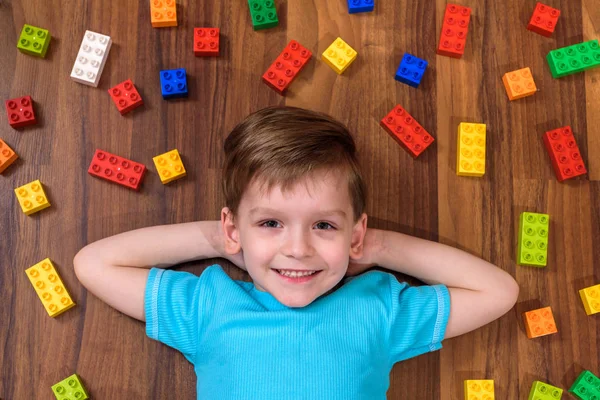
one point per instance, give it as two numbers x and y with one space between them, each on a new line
358 236
231 232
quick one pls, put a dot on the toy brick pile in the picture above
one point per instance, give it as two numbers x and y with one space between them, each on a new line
470 158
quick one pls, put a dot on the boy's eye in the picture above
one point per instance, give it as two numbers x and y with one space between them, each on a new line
324 225
269 224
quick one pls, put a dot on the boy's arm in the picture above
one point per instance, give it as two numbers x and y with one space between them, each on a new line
479 291
115 269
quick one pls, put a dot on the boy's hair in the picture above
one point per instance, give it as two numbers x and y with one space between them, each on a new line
279 146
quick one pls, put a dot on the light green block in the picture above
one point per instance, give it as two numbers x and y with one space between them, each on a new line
543 391
34 41
70 388
533 239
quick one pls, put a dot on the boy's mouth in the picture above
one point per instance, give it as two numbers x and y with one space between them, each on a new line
295 273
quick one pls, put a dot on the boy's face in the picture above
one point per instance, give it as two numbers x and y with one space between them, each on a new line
296 245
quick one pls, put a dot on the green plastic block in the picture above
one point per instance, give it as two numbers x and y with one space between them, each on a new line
34 41
70 388
533 239
573 59
586 386
263 13
543 391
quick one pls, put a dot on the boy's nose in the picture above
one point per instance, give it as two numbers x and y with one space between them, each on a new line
298 245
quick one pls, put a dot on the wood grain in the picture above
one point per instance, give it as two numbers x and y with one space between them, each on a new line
423 197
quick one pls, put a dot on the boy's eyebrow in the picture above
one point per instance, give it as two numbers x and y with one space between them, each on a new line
266 210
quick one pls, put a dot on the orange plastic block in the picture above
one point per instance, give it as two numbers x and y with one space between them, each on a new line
163 13
479 389
591 299
539 322
519 84
32 197
169 166
7 156
49 287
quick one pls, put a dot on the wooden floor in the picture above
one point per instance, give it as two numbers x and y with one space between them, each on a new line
423 197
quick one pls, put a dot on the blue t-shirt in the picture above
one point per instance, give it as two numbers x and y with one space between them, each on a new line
244 344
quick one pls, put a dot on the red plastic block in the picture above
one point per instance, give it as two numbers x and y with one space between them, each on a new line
20 112
543 20
125 96
406 131
287 66
206 42
564 153
117 169
454 31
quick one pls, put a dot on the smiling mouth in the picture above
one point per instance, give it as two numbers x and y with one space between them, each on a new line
295 274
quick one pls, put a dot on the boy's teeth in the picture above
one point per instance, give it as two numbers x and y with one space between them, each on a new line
295 274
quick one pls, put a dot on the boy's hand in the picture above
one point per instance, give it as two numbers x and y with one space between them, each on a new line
371 247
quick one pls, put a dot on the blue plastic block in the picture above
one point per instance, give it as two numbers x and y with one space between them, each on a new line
358 6
173 83
411 70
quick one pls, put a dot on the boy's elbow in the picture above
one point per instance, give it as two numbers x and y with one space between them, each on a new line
510 292
81 265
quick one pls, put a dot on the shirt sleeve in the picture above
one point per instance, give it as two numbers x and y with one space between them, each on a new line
419 319
172 303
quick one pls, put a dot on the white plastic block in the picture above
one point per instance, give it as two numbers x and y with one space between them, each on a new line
91 58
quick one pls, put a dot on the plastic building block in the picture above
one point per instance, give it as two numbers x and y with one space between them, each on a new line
539 322
470 157
34 41
543 20
169 166
564 153
479 389
406 131
454 31
206 42
91 58
117 169
70 388
32 197
543 391
49 287
263 14
359 6
411 70
173 83
586 386
7 156
163 13
286 67
573 59
591 299
20 112
533 239
519 84
125 96
339 55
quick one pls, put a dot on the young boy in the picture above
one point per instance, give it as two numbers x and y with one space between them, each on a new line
294 219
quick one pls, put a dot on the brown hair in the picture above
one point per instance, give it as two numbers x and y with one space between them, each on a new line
281 145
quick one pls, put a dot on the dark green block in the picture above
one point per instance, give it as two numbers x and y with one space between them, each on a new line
573 59
34 41
586 386
263 13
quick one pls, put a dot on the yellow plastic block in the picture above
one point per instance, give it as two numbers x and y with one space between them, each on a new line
479 389
163 13
470 150
49 287
7 156
339 55
169 166
591 299
519 84
32 197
